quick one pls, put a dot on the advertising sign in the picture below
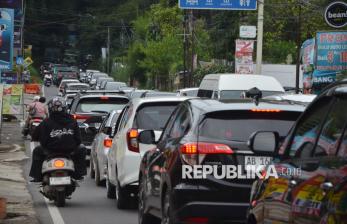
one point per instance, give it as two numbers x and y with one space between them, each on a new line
6 38
336 14
8 77
248 31
244 56
219 4
331 51
12 97
11 4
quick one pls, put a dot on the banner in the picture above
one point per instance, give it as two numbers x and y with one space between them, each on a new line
331 51
8 77
32 89
244 56
12 98
1 100
6 38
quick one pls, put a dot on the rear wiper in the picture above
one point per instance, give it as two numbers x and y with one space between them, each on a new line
99 111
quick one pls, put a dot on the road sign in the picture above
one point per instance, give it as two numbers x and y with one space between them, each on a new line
28 61
19 60
248 31
219 4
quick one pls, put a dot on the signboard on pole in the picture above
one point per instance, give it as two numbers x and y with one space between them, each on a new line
331 51
336 14
9 77
12 98
244 57
248 31
6 38
219 4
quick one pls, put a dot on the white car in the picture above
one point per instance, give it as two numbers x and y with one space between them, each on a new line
125 154
100 147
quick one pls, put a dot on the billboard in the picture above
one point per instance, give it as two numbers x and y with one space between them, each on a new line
11 4
331 51
244 56
6 38
219 4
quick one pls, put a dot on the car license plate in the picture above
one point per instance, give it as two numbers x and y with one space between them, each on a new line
257 162
59 181
36 124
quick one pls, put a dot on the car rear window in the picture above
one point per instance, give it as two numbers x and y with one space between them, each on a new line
102 103
239 125
154 116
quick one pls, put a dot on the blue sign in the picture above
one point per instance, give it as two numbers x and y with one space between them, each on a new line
219 4
19 60
6 38
8 77
331 51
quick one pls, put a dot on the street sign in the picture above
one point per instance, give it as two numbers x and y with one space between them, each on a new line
248 31
19 60
28 61
336 14
219 4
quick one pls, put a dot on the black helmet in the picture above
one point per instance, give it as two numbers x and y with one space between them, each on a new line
42 99
57 105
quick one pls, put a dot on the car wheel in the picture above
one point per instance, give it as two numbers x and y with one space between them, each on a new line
98 182
91 166
167 217
123 198
144 218
110 189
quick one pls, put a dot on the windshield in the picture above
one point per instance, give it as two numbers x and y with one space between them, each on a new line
237 94
77 87
154 117
239 125
105 104
114 85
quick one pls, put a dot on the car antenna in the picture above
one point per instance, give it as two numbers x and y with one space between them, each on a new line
254 93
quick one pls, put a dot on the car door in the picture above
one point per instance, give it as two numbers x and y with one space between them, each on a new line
96 142
275 197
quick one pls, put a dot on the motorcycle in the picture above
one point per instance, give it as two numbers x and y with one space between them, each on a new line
34 123
57 183
48 82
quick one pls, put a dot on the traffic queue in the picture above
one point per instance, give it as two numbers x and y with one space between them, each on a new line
235 149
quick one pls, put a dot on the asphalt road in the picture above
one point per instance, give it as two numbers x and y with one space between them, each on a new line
88 205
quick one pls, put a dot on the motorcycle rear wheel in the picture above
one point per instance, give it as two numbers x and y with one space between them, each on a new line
60 199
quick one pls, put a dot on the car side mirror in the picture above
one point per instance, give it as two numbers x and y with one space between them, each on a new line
147 137
264 142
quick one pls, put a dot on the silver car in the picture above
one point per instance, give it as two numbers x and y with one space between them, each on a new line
100 147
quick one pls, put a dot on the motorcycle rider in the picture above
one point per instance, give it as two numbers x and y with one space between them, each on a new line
36 109
48 76
58 134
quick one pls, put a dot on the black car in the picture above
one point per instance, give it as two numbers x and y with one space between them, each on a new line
311 186
90 109
210 133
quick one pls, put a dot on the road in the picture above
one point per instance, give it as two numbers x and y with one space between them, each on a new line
89 204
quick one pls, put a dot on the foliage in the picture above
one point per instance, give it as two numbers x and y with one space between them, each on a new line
199 74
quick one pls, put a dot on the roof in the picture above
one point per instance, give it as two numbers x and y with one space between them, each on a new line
70 80
188 89
159 99
240 82
77 84
304 98
104 95
210 105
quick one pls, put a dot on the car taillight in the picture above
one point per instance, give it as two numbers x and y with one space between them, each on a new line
196 220
59 163
107 143
266 110
80 117
194 153
104 97
133 145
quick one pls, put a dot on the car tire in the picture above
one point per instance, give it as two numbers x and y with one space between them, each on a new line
144 218
91 166
110 189
98 182
123 199
167 213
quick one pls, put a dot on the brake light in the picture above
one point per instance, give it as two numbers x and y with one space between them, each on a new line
266 110
37 120
59 163
196 220
133 145
107 143
193 153
80 117
104 97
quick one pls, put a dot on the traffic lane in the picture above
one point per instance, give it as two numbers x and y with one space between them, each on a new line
88 204
50 92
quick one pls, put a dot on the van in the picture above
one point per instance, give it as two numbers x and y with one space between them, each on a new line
233 86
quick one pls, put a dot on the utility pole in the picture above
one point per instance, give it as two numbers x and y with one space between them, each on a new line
260 35
191 31
185 50
108 51
298 49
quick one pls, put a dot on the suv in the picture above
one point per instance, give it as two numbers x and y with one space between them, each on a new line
205 132
311 186
125 154
90 110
